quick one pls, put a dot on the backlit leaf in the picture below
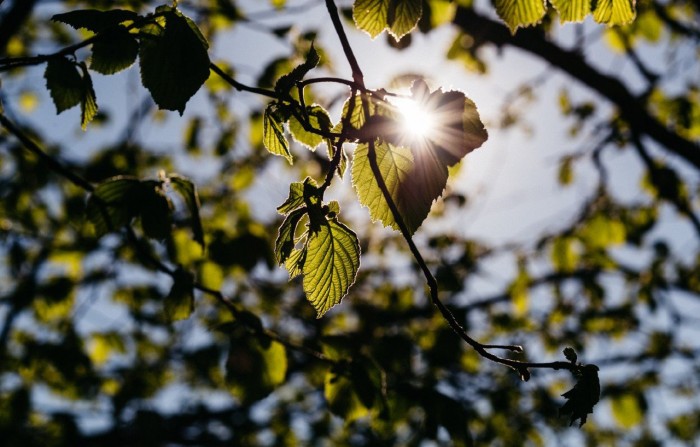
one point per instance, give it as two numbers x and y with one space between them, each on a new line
286 82
371 16
572 10
174 60
273 134
318 119
88 102
403 16
614 12
332 261
520 13
113 204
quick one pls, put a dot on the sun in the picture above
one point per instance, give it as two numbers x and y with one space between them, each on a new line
416 121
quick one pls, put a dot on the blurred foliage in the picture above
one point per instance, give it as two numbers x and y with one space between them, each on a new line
149 309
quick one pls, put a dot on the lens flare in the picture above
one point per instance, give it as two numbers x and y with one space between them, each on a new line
417 122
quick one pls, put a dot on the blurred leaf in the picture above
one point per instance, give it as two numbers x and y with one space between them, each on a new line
112 204
626 411
179 304
155 210
614 12
520 13
187 189
174 59
255 366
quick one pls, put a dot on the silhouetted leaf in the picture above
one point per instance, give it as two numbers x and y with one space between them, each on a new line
115 51
113 204
174 59
64 83
583 396
155 210
179 304
286 82
94 20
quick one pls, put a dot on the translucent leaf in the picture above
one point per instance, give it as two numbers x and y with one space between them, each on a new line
614 12
88 102
520 13
115 51
564 255
64 83
188 191
318 119
371 16
602 231
572 10
94 20
174 60
296 197
329 262
404 16
273 134
626 411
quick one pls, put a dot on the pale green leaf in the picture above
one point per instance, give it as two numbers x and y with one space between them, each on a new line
295 199
330 262
406 14
318 119
273 134
371 16
572 10
614 12
520 13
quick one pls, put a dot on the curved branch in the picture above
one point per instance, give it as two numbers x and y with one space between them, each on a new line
571 62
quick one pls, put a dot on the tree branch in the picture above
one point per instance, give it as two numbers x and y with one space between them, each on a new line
631 108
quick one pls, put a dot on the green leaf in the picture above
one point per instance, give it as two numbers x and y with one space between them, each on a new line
614 12
286 82
404 16
88 101
273 133
64 83
371 16
520 13
188 191
329 262
601 231
296 196
94 20
255 366
174 60
343 400
113 204
115 51
626 411
318 118
583 396
179 304
572 10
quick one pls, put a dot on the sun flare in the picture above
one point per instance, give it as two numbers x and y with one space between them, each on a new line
417 122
